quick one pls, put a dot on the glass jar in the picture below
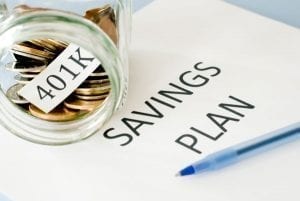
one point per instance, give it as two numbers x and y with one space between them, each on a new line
77 91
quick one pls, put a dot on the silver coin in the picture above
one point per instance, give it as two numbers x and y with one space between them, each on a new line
98 74
12 94
29 75
22 80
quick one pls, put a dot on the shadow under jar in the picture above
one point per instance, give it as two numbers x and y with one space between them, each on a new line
64 66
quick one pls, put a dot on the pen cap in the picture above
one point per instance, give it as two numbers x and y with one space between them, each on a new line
64 66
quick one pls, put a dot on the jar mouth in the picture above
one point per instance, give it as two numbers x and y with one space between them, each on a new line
70 28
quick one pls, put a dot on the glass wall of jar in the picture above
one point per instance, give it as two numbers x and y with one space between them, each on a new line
64 66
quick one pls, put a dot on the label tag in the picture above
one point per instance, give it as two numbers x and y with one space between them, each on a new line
66 73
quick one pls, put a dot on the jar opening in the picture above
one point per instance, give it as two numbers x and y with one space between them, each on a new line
62 29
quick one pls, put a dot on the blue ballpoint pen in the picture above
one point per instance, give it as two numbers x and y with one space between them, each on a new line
244 150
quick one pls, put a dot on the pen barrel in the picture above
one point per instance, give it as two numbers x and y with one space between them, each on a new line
268 141
222 158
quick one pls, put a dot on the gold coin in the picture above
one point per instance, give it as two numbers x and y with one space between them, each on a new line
60 113
25 67
31 45
44 44
90 90
105 18
22 80
58 44
109 27
77 104
23 49
89 98
90 14
12 94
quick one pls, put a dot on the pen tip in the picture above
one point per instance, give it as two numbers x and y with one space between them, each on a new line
186 171
177 174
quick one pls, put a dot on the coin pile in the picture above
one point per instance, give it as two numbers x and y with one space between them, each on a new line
33 56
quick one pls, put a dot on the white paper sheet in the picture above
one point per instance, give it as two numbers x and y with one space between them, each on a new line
259 63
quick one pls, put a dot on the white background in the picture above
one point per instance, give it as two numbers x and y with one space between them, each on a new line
259 59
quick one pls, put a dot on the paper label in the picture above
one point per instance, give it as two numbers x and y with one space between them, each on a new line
60 78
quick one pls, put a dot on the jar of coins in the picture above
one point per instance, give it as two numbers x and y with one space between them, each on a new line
64 66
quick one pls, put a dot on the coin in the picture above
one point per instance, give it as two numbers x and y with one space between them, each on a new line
21 58
90 14
32 45
12 94
97 77
91 78
97 14
26 67
96 74
77 104
109 27
96 81
58 44
89 98
105 18
31 52
60 113
44 44
89 90
27 55
22 80
28 75
103 85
